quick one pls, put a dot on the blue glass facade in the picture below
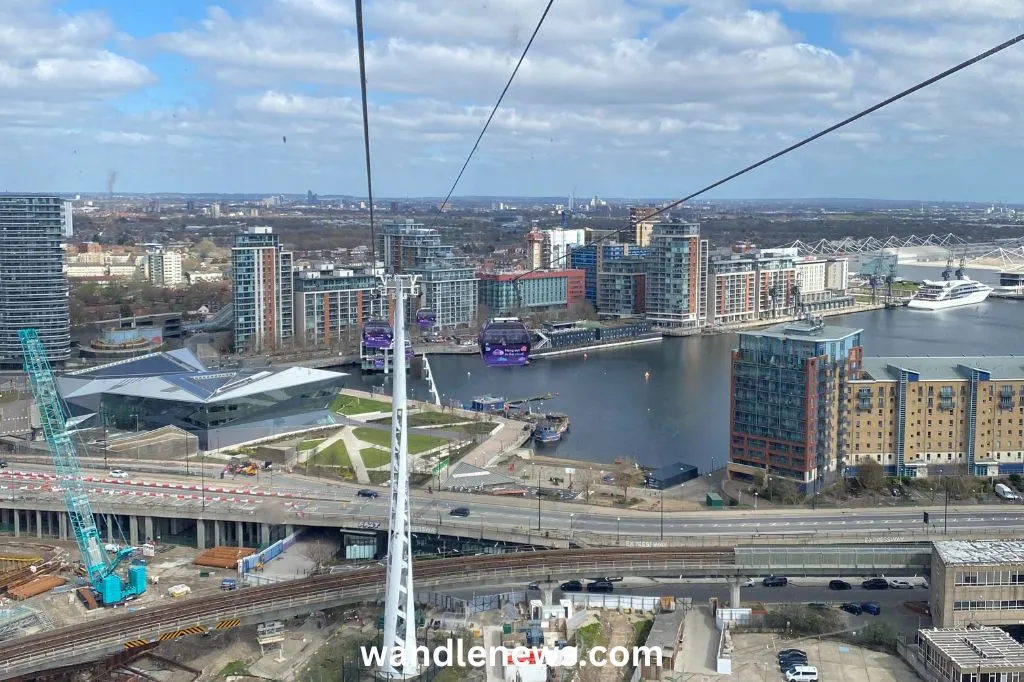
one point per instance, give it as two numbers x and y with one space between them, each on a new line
788 418
586 258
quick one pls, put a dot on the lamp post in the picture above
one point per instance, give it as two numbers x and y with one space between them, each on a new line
538 498
617 520
571 515
945 510
662 534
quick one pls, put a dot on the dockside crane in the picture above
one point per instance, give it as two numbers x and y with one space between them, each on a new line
101 567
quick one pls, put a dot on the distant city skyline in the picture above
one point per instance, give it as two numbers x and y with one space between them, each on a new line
631 98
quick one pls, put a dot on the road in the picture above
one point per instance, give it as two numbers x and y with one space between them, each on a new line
567 517
700 593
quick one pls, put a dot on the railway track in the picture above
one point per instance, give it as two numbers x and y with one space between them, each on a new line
15 654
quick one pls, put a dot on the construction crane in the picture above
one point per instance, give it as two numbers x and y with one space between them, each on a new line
100 566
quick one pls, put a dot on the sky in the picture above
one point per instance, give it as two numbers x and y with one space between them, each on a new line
618 98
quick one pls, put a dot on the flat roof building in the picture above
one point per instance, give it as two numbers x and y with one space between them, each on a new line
967 655
787 416
977 582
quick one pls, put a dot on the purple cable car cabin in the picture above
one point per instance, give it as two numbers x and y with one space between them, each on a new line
378 334
426 318
505 342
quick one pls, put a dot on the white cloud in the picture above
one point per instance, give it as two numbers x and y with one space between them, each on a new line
620 97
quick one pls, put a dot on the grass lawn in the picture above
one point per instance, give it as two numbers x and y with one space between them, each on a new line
349 405
459 424
417 442
375 457
335 455
309 444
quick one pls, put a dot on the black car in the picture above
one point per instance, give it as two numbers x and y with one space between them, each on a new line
790 652
366 492
571 586
787 662
875 584
600 586
839 585
852 607
459 511
775 581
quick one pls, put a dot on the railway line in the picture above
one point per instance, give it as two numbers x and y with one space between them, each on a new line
219 612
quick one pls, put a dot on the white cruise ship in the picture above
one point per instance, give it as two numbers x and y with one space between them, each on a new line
951 293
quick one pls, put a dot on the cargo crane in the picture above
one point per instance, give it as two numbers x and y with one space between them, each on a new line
100 567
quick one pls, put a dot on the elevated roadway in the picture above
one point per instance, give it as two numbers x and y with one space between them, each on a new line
96 639
299 501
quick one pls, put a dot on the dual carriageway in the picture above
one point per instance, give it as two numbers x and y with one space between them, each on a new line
731 544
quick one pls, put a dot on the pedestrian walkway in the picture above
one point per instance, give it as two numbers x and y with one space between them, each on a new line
354 445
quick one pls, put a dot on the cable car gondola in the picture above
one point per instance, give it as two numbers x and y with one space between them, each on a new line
426 318
378 334
505 342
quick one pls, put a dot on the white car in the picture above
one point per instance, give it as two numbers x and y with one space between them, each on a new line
900 585
118 473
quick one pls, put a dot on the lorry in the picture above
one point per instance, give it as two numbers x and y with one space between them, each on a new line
1005 492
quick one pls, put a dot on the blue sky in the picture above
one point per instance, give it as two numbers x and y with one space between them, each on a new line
627 98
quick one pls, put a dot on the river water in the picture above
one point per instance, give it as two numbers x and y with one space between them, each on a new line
681 413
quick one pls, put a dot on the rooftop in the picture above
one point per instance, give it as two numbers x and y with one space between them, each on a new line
179 375
998 367
971 648
806 330
980 552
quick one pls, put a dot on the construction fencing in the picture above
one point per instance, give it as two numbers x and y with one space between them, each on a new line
616 601
250 562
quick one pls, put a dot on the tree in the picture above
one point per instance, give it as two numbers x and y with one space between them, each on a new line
321 553
870 474
628 475
585 478
204 248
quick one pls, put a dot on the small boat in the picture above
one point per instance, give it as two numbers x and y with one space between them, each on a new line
547 434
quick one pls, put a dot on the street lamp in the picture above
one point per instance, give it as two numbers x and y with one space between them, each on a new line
617 520
571 515
538 498
662 534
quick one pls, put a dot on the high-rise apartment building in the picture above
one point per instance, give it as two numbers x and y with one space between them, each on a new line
262 290
788 416
331 305
163 268
593 257
677 276
622 286
640 228
33 283
448 283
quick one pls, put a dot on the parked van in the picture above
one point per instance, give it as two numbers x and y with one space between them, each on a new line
802 673
1004 491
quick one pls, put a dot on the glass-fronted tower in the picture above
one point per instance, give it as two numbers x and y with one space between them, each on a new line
789 419
33 279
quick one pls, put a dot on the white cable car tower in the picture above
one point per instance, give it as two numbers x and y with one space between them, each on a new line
399 604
